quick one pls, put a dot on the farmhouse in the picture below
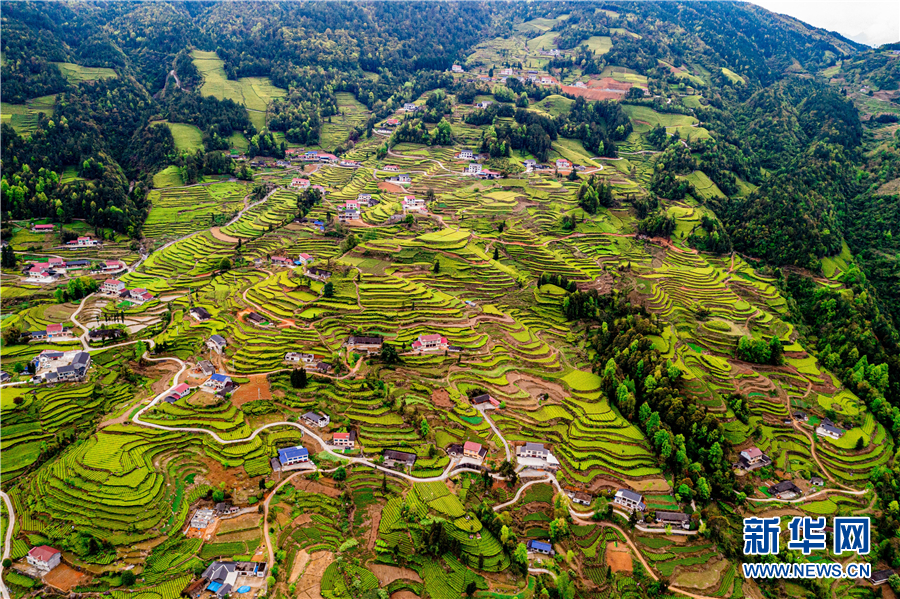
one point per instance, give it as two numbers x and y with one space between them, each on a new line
801 416
816 481
465 155
296 357
364 198
112 287
533 450
317 274
77 264
347 440
282 261
530 163
53 331
392 122
485 402
629 500
300 183
44 558
324 367
293 455
457 69
540 547
316 419
391 167
112 265
40 275
562 163
785 490
83 242
104 334
579 497
139 296
880 577
401 179
206 367
200 314
202 518
753 458
181 390
4 377
674 519
393 458
410 107
303 260
42 229
216 343
256 318
484 104
222 577
474 450
473 168
433 342
54 367
827 429
348 214
370 345
413 203
218 381
226 509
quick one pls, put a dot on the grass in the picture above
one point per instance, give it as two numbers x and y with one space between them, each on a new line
734 77
188 138
554 105
24 117
599 44
168 177
255 93
75 73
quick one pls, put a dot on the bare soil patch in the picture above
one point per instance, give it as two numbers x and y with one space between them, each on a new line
309 584
299 563
64 577
404 595
388 574
374 512
706 577
222 236
391 187
242 522
441 399
618 559
311 486
256 388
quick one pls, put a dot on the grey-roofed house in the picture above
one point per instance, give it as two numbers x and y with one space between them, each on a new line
394 458
785 490
256 318
629 500
216 343
816 481
880 577
533 450
4 377
827 428
674 519
206 367
369 345
316 419
200 314
222 577
81 363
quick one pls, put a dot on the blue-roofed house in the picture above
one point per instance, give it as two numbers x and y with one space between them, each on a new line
218 381
540 547
293 455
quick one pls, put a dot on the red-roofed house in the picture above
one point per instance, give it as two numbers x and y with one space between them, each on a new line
139 296
83 241
392 122
304 259
326 157
300 183
433 342
562 163
55 262
56 330
347 440
42 229
44 558
181 390
753 458
471 449
282 261
112 286
391 167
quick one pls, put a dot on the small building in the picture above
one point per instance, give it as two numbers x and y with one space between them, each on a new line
348 214
202 518
282 261
542 547
533 450
580 497
206 367
785 490
484 104
112 265
563 164
304 259
256 318
44 557
370 345
432 342
218 381
392 122
317 274
391 167
801 416
42 229
530 163
112 287
457 69
217 343
413 203
323 367
221 578
402 178
629 500
296 357
226 509
200 314
394 458
473 168
674 519
300 183
4 377
816 481
77 264
364 198
316 419
880 577
474 450
827 428
465 155
753 458
347 440
293 455
410 107
83 241
104 334
181 390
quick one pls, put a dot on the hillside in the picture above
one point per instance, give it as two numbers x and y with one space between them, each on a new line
426 291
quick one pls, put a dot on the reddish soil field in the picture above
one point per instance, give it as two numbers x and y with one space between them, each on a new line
600 89
64 577
257 388
391 187
618 559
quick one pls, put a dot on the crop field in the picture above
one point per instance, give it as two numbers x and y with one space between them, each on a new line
178 211
75 73
23 117
188 138
336 130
